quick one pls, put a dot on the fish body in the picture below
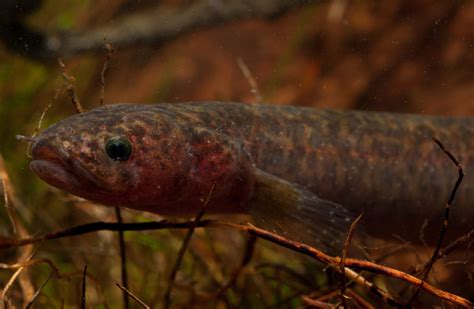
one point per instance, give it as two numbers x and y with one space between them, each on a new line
283 164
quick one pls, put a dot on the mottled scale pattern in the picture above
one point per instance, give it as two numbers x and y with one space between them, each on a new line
384 164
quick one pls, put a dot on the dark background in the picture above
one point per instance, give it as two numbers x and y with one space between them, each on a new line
401 56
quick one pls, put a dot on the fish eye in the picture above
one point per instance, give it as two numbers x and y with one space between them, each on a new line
118 148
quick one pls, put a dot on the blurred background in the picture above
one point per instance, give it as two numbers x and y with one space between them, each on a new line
400 56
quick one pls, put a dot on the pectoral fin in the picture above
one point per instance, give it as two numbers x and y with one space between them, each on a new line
293 212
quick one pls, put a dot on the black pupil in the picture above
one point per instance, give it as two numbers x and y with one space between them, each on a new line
118 149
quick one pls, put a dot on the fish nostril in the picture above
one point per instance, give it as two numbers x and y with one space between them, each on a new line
41 149
45 149
36 149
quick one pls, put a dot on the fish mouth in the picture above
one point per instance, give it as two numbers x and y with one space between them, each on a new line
54 166
56 175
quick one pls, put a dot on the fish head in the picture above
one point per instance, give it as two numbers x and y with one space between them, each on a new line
128 155
115 155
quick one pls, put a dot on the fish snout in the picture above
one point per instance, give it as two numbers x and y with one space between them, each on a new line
47 150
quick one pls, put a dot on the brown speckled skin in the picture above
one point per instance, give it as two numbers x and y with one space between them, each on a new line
385 164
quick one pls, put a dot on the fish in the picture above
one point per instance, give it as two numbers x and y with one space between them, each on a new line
303 172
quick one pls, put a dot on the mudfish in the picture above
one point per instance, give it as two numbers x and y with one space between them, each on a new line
303 172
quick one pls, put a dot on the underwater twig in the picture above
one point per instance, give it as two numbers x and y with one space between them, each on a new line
38 126
455 244
345 251
123 258
31 139
12 202
444 226
263 234
10 282
359 264
359 300
315 303
69 80
250 79
129 293
108 57
374 289
12 279
83 288
325 298
184 246
105 226
31 262
249 249
38 292
312 302
4 178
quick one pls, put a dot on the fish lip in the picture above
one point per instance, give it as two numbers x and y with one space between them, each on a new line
56 167
55 174
60 176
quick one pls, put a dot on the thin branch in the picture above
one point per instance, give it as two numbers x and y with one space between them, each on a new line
83 289
123 258
5 185
359 264
444 226
106 226
12 279
11 203
38 292
314 303
108 57
250 79
7 287
70 81
249 249
345 251
31 139
374 289
455 244
272 237
129 293
184 246
361 301
29 263
40 121
325 300
50 263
